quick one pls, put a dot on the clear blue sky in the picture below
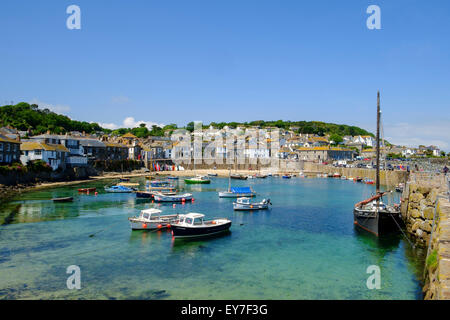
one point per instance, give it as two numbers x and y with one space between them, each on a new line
227 60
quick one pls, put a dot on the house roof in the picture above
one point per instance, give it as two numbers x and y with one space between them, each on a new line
129 135
116 145
4 138
28 146
92 143
326 148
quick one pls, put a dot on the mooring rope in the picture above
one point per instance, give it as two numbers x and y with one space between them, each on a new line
406 237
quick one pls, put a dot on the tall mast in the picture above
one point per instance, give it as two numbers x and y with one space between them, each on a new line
378 144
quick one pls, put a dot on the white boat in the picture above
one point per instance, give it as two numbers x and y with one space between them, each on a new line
159 197
245 204
150 219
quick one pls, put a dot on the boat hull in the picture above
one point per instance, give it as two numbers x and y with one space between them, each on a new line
250 207
180 198
226 194
195 232
379 224
144 195
190 181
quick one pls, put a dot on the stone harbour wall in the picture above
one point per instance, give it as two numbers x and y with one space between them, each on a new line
425 210
387 178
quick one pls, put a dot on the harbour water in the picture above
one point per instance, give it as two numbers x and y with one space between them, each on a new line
304 247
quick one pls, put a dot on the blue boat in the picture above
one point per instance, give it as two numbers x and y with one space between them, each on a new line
286 177
172 178
237 192
119 189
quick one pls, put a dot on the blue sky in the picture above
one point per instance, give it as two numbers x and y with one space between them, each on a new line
179 61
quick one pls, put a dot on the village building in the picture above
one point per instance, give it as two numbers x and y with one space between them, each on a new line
326 153
9 150
53 154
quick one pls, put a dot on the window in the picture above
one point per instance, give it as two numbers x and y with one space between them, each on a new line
198 221
188 220
1 146
38 152
8 147
1 157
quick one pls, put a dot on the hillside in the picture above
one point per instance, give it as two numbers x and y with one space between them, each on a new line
24 116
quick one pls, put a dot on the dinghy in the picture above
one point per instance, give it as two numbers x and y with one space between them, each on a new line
159 197
197 180
245 204
64 199
119 189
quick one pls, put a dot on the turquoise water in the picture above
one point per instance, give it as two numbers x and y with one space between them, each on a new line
304 247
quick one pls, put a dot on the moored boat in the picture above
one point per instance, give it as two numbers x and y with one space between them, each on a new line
372 214
193 225
150 219
336 175
159 197
286 176
63 199
245 204
238 176
237 192
197 180
119 189
86 190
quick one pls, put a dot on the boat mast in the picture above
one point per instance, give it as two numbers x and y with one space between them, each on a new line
229 179
378 146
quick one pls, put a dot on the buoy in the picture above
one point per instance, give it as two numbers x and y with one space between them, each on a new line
174 205
144 226
193 199
88 192
183 200
159 226
153 201
96 193
168 225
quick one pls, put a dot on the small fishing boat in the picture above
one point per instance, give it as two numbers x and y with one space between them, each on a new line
63 199
128 184
245 204
86 190
124 179
261 176
172 178
238 177
144 194
159 197
193 225
237 192
372 214
150 219
197 180
286 176
330 175
344 178
368 181
336 175
359 179
118 189
212 174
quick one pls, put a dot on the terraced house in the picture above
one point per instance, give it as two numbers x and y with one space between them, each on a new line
53 154
9 150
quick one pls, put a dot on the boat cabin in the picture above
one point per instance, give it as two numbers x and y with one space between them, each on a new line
191 219
243 200
149 214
